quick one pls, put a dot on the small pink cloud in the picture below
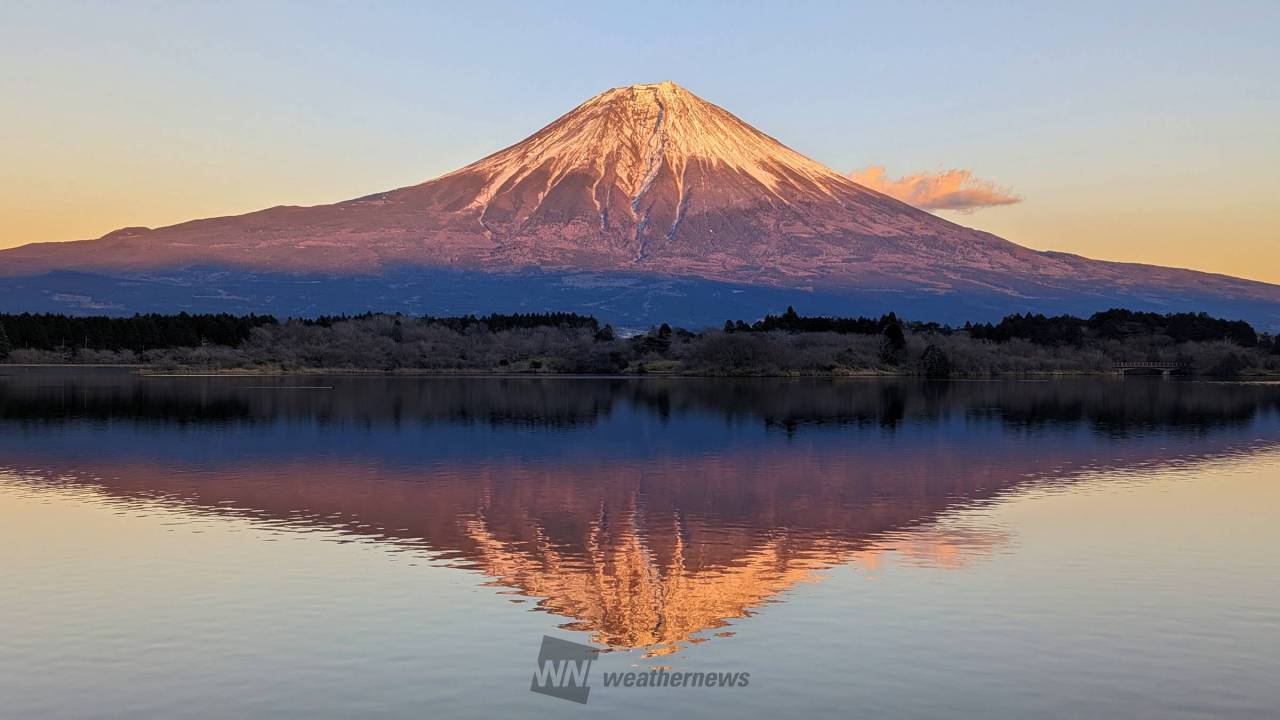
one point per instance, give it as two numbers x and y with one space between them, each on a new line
946 190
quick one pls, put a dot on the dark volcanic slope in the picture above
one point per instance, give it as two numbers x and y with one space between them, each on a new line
644 179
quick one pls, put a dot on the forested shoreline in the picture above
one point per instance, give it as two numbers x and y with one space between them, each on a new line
568 343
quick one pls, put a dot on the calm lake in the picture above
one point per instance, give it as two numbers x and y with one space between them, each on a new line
374 547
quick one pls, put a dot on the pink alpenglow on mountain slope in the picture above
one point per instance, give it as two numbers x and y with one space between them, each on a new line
647 179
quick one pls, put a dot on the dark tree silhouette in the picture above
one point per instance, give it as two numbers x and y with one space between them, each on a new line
1115 324
934 363
893 334
788 343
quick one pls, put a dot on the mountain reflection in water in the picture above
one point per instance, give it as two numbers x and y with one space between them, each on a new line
650 512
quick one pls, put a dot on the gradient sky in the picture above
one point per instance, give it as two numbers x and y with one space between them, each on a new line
1134 131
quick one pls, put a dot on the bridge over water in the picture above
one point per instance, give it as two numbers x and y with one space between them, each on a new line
1151 368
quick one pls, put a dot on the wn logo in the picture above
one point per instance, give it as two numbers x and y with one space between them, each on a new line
563 668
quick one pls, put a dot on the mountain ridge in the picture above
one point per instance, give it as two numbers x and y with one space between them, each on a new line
649 180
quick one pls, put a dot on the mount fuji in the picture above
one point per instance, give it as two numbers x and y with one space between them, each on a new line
643 204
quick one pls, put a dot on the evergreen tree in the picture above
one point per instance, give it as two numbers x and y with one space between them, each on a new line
934 363
5 346
893 334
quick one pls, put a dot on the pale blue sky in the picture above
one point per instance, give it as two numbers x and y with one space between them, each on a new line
1145 131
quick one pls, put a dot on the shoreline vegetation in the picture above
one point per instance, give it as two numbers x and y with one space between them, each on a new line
788 344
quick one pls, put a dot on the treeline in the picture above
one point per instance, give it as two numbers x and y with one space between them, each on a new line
793 322
1117 324
784 344
138 333
493 322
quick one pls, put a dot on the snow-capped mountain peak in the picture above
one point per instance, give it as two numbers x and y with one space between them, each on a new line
643 180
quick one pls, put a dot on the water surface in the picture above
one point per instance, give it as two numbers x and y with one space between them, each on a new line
397 547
